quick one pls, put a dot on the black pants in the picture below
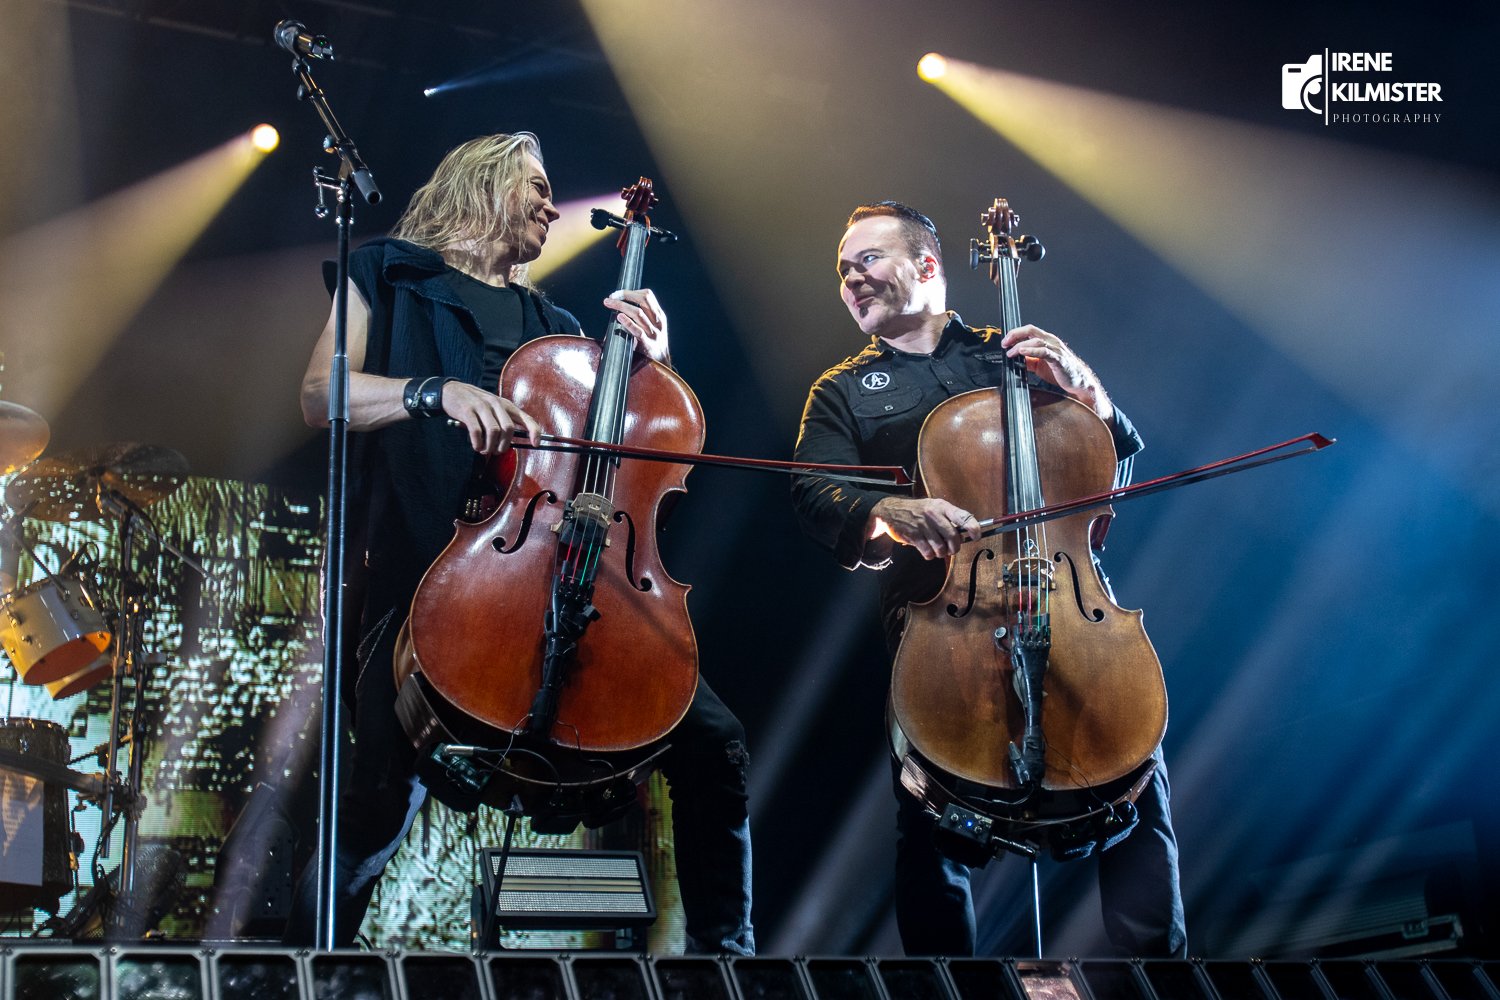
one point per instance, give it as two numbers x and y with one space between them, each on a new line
1138 884
705 770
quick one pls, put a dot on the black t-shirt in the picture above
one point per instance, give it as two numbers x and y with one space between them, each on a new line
497 309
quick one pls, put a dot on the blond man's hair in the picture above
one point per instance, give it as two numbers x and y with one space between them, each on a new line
468 198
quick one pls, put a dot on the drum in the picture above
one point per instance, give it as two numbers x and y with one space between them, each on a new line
51 629
86 678
30 879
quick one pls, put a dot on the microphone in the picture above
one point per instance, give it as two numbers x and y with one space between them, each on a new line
293 36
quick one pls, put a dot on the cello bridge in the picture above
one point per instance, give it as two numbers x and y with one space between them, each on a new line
1027 584
587 510
1030 572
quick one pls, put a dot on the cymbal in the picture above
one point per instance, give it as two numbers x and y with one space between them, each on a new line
65 487
23 435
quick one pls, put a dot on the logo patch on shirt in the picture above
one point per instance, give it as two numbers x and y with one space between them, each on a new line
876 380
992 357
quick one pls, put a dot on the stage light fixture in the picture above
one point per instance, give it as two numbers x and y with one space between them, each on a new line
265 138
932 67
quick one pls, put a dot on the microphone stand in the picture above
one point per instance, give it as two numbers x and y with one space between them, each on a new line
351 168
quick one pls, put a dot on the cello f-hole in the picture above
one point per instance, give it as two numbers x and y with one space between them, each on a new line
1095 615
953 609
644 586
499 540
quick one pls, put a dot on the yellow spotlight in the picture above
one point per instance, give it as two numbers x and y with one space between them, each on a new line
573 233
265 138
932 67
120 248
1276 224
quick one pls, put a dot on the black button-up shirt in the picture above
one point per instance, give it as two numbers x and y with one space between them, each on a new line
869 410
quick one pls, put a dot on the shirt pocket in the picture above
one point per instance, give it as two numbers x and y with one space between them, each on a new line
890 403
989 377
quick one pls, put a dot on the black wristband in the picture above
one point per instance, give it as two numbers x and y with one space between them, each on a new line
423 397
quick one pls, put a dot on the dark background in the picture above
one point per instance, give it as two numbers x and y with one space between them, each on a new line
1325 626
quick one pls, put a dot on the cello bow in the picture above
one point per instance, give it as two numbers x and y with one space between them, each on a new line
1223 467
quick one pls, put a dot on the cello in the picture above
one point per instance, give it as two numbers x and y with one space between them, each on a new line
1025 704
548 653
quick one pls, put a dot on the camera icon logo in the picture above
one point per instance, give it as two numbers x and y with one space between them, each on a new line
1300 82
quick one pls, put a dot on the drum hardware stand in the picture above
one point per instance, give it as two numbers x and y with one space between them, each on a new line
125 797
10 528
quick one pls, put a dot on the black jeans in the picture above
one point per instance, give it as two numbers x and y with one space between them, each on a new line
705 771
1138 884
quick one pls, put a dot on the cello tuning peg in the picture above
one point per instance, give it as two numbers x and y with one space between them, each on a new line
1032 248
978 254
601 219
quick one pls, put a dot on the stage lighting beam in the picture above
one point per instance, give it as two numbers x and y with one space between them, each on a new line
119 249
572 233
1281 227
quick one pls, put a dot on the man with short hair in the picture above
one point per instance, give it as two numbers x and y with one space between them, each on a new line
868 410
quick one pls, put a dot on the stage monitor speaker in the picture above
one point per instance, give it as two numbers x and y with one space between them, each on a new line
44 970
995 979
527 977
56 974
844 978
1049 979
1294 980
1174 979
1115 980
612 977
563 890
701 977
441 977
912 978
1238 980
1465 980
240 974
351 974
769 978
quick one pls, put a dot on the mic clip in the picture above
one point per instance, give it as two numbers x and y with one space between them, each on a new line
294 37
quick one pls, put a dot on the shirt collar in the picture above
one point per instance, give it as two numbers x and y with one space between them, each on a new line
955 327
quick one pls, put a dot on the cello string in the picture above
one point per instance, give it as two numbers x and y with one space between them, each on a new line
612 378
1019 434
1012 437
618 349
1038 571
621 350
580 559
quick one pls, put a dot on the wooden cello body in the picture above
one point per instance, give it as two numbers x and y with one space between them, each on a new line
548 652
1025 704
